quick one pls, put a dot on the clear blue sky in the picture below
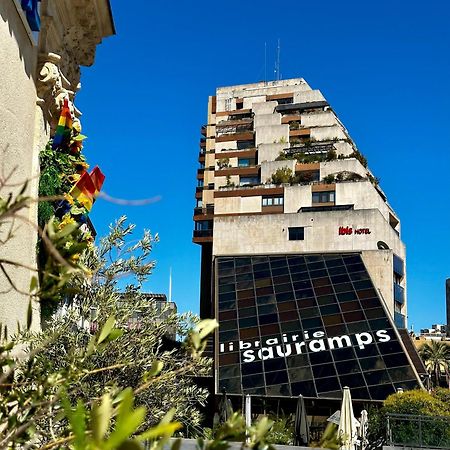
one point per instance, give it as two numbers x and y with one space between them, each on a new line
384 67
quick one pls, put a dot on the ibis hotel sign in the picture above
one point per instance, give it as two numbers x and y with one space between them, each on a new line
305 324
347 231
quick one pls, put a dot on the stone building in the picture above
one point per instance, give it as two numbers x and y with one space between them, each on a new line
43 45
301 251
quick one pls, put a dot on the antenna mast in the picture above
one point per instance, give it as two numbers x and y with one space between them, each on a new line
277 69
170 285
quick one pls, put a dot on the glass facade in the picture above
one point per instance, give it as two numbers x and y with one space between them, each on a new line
305 324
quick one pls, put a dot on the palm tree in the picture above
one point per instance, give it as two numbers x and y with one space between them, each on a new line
436 357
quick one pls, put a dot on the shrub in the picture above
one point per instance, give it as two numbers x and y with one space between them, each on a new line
329 179
331 155
283 175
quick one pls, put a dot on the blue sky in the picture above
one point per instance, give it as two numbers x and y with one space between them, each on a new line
383 66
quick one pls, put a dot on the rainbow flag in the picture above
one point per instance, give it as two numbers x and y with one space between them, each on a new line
84 191
64 128
97 178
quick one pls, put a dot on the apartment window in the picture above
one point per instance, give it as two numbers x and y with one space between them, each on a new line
228 104
242 145
285 101
246 162
199 204
272 201
296 233
200 183
323 197
248 181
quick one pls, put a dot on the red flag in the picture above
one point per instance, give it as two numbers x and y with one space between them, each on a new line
97 178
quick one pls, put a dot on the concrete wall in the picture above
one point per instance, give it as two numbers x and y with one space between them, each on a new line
20 137
319 119
327 133
272 134
269 151
270 167
342 165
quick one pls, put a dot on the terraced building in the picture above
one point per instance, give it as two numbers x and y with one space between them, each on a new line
302 259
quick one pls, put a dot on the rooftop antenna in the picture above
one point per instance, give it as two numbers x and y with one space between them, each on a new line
277 63
265 63
170 284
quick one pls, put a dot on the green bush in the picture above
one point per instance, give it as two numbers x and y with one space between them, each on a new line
283 175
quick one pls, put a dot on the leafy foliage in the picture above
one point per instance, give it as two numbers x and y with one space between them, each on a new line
436 357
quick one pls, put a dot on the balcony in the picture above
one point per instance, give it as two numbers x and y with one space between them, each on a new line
301 106
203 130
399 320
201 211
312 149
399 293
399 267
203 233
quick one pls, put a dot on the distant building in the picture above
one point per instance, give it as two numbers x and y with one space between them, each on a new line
435 333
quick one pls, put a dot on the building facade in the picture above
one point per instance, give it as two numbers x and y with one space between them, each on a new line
43 46
302 259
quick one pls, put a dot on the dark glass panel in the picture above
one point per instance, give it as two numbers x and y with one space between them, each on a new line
292 326
280 390
357 327
374 313
284 297
306 388
324 290
300 360
251 381
228 325
362 285
323 371
320 357
280 272
287 315
269 329
327 384
243 269
346 296
300 374
267 309
350 306
396 360
268 318
392 346
343 287
358 276
264 291
226 272
342 354
316 265
339 270
273 365
360 393
379 324
263 283
225 263
368 350
239 262
295 260
355 268
278 261
262 274
287 306
282 280
306 302
402 373
333 261
299 285
287 287
248 322
307 313
227 315
352 380
264 267
228 358
298 268
227 305
336 330
346 367
351 259
370 303
305 293
366 293
332 320
313 258
265 299
377 377
259 259
372 363
318 282
255 391
246 303
318 273
326 299
228 336
407 385
329 309
231 385
310 324
244 285
354 316
225 288
332 394
276 377
244 277
247 312
300 276
248 293
249 333
230 371
251 368
227 297
336 279
381 391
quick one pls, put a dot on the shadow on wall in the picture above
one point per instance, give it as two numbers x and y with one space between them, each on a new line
17 31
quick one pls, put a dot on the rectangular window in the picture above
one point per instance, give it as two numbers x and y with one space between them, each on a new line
323 197
243 162
248 181
272 201
296 233
228 104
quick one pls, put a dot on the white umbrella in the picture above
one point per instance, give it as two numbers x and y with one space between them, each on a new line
248 413
347 429
363 429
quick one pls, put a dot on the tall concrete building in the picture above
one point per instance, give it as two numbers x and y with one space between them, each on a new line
302 256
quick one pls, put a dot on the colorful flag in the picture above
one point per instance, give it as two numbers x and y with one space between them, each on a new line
84 191
97 178
64 128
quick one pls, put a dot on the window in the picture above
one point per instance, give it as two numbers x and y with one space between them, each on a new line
272 201
323 197
242 145
248 181
246 162
296 233
228 104
200 183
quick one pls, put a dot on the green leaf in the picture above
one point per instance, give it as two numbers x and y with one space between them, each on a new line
206 327
130 445
77 421
29 315
33 284
160 430
106 329
100 418
156 368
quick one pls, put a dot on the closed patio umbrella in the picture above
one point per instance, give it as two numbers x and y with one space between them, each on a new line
225 408
364 422
301 427
347 430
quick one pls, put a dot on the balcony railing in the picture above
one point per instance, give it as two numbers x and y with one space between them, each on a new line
203 233
399 319
399 293
399 267
414 431
202 210
313 149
